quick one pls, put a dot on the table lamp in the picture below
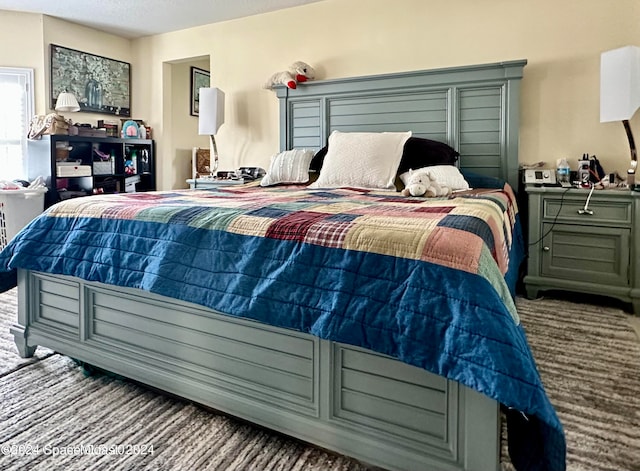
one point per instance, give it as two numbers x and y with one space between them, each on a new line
67 102
620 94
211 118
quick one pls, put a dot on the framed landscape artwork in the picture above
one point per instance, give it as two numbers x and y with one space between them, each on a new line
100 85
200 78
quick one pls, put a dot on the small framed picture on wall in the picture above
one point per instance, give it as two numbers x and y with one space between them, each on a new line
200 78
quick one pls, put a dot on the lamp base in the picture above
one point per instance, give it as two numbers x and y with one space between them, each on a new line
632 184
631 173
214 161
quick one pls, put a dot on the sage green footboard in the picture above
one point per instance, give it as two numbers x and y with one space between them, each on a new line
340 397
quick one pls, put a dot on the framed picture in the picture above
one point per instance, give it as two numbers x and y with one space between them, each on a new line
100 85
200 78
201 162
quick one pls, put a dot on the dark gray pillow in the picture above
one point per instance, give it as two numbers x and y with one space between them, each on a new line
418 152
318 159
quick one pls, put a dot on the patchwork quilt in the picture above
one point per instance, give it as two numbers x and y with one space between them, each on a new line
427 281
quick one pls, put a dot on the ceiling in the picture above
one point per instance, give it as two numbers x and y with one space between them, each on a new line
137 18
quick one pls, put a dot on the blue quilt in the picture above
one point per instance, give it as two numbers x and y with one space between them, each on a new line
427 281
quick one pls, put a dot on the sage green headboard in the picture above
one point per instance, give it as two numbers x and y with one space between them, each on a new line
474 109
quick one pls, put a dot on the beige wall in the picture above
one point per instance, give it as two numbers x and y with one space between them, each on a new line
25 40
21 45
562 42
184 126
74 36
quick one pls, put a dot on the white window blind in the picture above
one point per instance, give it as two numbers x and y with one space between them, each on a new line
16 110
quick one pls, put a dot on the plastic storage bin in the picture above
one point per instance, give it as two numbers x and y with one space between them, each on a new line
17 209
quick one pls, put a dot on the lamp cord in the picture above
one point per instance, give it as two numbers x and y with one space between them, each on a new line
586 209
555 219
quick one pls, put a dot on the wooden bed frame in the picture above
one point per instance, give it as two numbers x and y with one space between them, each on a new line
337 396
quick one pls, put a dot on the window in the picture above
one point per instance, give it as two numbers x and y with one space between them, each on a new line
16 110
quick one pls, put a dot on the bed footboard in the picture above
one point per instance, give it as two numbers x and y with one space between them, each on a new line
337 396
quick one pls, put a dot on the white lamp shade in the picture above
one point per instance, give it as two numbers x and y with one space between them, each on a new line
67 102
211 114
619 83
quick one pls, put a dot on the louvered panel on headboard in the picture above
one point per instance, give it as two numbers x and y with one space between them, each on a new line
475 109
425 113
480 130
305 129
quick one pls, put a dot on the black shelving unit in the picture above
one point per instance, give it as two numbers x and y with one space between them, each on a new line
75 166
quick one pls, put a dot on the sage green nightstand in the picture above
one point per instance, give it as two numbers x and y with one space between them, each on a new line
592 249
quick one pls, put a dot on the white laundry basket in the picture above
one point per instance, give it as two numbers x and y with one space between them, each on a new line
17 209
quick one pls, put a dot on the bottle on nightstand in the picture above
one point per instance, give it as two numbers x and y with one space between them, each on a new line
563 173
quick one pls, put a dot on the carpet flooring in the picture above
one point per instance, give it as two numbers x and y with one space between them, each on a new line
588 356
589 360
9 359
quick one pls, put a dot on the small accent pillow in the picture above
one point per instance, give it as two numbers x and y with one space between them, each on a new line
444 175
290 166
362 160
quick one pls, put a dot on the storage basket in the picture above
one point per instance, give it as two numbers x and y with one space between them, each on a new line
17 209
103 168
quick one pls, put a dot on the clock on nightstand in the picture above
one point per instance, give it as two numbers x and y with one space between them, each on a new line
588 248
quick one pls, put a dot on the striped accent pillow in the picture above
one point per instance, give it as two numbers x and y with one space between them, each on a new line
290 166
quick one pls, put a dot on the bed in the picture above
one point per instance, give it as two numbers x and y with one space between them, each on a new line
286 306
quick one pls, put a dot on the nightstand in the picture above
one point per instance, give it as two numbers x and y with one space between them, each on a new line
588 250
204 183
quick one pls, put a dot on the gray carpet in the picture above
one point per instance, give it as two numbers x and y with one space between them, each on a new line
588 356
589 360
9 359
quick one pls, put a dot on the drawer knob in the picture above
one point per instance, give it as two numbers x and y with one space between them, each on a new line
546 248
588 212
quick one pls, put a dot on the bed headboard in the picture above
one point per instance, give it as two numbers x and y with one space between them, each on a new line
475 109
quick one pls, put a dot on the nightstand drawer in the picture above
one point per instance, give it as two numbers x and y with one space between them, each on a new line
604 211
584 253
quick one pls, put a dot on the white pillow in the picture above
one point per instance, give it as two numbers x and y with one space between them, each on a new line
362 160
290 166
444 175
